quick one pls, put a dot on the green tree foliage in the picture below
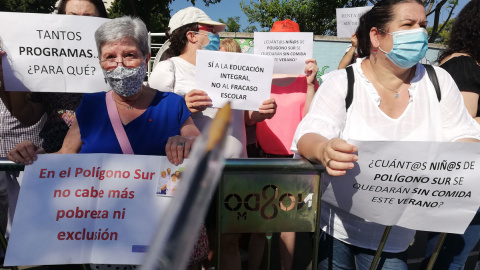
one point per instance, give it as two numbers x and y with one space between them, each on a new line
250 29
32 6
444 32
435 7
317 16
232 23
155 13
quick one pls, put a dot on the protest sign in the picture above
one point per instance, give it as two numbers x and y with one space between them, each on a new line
429 186
289 50
245 80
88 208
51 53
347 20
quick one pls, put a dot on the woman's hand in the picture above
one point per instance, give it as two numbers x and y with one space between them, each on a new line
177 148
354 40
268 108
197 100
337 156
25 152
311 70
266 111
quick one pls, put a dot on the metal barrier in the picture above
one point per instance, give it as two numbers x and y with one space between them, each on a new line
289 187
267 196
152 46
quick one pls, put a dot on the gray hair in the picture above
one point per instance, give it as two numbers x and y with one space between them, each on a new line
123 27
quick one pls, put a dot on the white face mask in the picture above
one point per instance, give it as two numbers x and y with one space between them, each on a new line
126 82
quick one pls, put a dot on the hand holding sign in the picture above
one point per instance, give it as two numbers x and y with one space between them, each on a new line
430 186
311 70
197 100
266 111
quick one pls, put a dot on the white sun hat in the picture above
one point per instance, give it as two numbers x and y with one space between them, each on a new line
193 15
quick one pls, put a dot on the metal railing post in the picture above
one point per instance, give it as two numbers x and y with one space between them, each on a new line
376 259
438 246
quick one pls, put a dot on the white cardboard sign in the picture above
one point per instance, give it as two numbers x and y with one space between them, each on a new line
429 186
289 50
51 53
347 20
243 79
89 208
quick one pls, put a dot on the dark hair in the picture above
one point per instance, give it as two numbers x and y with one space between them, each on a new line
102 12
465 33
379 16
178 39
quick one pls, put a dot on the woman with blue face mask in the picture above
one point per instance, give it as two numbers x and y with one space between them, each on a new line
393 100
461 59
189 30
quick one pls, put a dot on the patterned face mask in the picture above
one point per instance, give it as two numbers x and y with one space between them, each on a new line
126 82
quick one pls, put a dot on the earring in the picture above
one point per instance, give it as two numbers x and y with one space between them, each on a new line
375 51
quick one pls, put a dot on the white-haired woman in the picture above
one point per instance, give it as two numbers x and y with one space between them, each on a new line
153 122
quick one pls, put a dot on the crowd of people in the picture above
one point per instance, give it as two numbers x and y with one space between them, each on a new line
393 99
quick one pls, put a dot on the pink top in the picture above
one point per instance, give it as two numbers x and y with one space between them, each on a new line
275 135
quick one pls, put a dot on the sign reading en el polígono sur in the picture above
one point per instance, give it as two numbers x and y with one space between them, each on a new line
347 20
51 53
268 202
289 50
245 80
429 186
90 208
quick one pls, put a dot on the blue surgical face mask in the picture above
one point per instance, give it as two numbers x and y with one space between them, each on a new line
409 47
214 42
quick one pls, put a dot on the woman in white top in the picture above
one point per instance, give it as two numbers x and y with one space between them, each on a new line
190 29
393 100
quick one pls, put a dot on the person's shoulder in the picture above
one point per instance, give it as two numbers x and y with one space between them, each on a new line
170 97
164 65
93 99
94 96
335 76
440 72
461 63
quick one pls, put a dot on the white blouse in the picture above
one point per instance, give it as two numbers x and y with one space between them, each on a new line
424 119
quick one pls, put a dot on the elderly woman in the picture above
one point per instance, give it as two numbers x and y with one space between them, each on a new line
152 122
393 100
